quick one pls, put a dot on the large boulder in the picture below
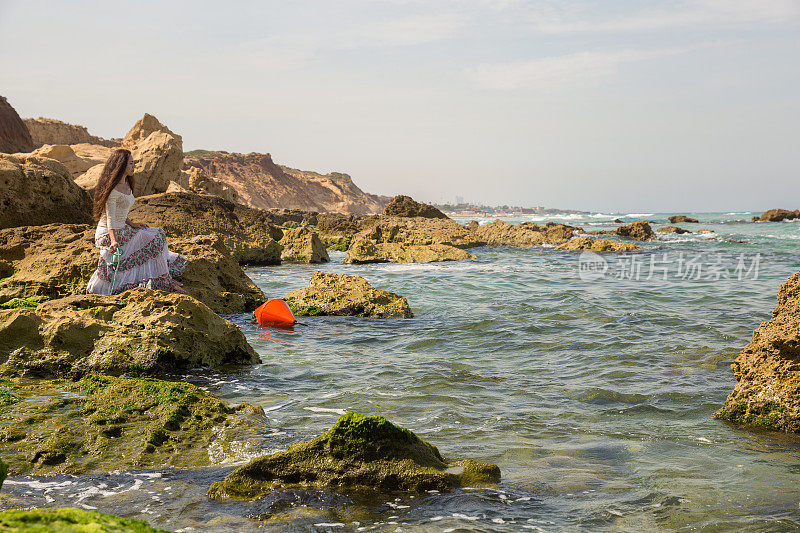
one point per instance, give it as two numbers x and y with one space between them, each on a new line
777 215
248 233
103 423
502 233
52 131
70 519
682 218
14 134
597 245
144 330
343 295
358 452
405 206
67 156
640 231
418 230
157 153
57 260
767 391
36 190
362 250
304 246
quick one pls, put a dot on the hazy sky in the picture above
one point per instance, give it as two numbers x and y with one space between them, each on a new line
608 106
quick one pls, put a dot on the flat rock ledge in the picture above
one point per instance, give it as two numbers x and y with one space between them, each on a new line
597 245
358 452
344 295
103 423
141 331
767 391
364 250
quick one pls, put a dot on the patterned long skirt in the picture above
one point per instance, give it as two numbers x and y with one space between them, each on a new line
145 262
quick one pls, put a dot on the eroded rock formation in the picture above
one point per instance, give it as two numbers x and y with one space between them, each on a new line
681 218
405 206
36 190
50 131
247 233
302 245
14 135
597 245
343 295
767 391
149 331
261 183
777 215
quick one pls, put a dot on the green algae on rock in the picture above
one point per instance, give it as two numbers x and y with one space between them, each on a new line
767 391
21 303
140 331
343 295
104 423
70 520
359 451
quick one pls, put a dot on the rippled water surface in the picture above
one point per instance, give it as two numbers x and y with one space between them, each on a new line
593 395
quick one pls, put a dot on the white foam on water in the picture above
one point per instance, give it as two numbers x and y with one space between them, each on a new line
329 524
40 485
325 410
703 439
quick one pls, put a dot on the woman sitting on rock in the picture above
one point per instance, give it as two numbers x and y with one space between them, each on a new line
131 254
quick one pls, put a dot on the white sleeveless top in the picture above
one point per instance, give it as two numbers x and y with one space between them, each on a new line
116 213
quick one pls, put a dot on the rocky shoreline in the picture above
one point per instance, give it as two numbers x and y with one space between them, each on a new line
87 382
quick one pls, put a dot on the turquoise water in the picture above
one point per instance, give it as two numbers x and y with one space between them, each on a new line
593 395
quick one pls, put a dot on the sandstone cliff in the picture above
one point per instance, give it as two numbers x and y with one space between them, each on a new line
51 131
14 136
261 183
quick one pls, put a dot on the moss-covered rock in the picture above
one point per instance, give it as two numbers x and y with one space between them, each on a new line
359 451
104 423
767 391
70 520
343 295
140 330
21 303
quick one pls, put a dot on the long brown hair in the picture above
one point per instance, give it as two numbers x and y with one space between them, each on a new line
112 174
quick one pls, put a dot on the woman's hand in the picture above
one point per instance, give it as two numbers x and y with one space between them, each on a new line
113 247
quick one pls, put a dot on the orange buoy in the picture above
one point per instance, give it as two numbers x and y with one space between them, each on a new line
275 312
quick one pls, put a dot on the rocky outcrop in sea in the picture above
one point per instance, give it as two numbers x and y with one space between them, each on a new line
777 215
767 391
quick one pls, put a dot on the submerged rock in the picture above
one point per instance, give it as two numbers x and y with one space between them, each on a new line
69 519
357 452
405 206
502 233
343 295
57 260
767 391
304 246
672 229
246 232
681 218
777 215
363 250
141 330
597 245
105 423
640 231
37 190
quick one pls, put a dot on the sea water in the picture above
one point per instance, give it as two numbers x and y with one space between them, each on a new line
591 388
